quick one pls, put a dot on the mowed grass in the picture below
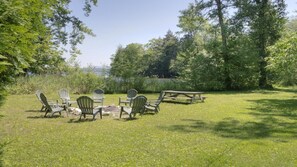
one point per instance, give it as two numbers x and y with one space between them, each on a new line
255 128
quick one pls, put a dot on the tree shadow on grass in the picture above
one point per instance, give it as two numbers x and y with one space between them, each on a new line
274 118
261 91
176 102
76 120
286 108
47 117
289 90
33 111
126 119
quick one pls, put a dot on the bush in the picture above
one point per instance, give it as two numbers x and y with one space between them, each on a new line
159 84
79 82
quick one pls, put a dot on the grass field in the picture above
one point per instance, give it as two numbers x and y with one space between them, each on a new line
255 128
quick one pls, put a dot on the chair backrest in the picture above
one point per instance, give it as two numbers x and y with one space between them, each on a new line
44 101
98 94
138 104
64 95
160 98
85 103
37 93
131 93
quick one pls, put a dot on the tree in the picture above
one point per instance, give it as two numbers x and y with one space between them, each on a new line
160 53
128 62
128 67
265 20
283 59
212 13
33 28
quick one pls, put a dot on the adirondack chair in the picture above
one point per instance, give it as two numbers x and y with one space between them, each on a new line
50 102
131 94
138 104
50 108
98 96
85 104
154 105
64 95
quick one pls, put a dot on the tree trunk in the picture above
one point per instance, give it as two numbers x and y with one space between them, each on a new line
263 38
228 81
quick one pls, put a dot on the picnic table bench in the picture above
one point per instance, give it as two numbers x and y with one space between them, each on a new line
188 95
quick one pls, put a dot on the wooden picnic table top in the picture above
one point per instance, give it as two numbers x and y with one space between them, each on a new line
181 92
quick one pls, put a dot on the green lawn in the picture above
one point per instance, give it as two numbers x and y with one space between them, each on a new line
257 128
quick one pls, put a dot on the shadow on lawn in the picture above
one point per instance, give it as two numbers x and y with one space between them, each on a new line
47 117
76 120
273 119
176 102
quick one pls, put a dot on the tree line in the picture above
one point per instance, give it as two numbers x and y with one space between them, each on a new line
224 45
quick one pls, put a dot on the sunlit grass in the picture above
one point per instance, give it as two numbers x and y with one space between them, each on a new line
255 128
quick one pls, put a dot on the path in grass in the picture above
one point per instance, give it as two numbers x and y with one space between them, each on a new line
230 129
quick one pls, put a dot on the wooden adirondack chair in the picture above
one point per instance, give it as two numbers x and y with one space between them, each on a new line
50 108
138 106
98 96
64 95
154 105
86 105
50 102
131 94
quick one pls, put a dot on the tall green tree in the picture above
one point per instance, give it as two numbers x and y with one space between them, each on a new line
283 59
214 13
127 66
159 54
33 28
128 62
264 20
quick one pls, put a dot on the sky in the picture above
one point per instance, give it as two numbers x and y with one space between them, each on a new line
121 22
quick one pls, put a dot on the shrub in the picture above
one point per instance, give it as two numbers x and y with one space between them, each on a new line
80 82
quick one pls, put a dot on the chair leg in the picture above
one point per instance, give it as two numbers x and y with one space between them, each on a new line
100 113
121 112
80 117
46 111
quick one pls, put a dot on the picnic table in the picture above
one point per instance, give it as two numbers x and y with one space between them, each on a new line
188 95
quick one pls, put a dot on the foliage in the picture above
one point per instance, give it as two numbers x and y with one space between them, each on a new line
153 85
30 33
223 50
291 24
118 85
265 20
229 129
159 55
84 81
128 62
283 60
20 27
76 81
